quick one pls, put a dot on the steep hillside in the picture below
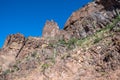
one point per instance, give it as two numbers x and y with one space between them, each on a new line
88 48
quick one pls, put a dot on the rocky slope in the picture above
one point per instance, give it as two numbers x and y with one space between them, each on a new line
88 48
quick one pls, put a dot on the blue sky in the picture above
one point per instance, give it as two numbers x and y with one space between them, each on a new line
29 16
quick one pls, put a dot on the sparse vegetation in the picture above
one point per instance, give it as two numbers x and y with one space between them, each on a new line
97 40
6 71
89 40
34 54
45 66
13 69
94 51
99 35
65 56
70 44
54 56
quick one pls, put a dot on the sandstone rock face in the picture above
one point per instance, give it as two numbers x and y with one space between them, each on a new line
92 17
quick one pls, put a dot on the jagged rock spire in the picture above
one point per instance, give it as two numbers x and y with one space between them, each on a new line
51 29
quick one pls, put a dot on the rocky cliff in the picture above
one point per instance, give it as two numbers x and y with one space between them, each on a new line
88 48
92 17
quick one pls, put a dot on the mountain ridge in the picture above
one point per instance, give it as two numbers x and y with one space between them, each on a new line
88 48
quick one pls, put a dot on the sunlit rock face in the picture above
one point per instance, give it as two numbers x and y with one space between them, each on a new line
16 46
93 17
51 29
14 41
58 55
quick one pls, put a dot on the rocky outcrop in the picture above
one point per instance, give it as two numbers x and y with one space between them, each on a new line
51 30
14 41
107 57
19 44
62 54
99 62
92 17
16 47
10 49
31 44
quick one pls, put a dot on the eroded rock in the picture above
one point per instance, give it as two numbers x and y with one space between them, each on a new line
92 17
51 30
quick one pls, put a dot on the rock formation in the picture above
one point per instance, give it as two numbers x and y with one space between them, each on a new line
51 29
17 46
92 17
88 48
